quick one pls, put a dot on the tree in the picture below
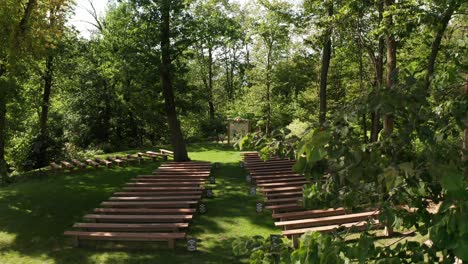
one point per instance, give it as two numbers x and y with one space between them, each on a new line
15 26
177 139
390 79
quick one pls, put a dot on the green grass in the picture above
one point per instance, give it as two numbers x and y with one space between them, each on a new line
35 213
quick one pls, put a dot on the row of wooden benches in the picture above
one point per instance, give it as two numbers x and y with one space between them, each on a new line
282 189
119 160
156 207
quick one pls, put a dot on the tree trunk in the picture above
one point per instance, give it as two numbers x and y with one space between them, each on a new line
326 56
391 64
43 130
465 135
379 69
3 164
268 88
442 26
177 139
210 82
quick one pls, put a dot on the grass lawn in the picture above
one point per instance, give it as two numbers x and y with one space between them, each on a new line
35 213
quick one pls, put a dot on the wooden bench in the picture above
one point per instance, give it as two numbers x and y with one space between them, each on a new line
281 189
138 218
156 198
309 214
140 211
283 195
117 227
145 155
167 152
92 163
127 160
67 165
284 208
119 162
153 193
294 234
161 184
136 158
55 167
280 179
106 163
326 220
272 172
288 200
282 184
156 154
165 179
173 189
124 236
164 204
79 164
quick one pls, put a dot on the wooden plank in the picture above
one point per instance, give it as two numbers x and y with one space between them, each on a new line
165 179
362 225
309 214
281 189
155 198
138 218
153 193
147 227
165 204
149 189
161 184
283 200
127 236
282 184
327 220
280 179
92 163
140 211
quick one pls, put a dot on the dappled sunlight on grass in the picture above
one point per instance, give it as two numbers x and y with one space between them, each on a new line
35 213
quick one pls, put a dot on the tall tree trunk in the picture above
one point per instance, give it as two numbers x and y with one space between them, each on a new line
268 88
326 56
210 82
361 87
442 26
465 135
177 139
379 71
43 131
391 64
3 164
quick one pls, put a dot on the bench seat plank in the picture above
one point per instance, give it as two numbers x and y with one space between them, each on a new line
330 228
127 236
327 220
171 211
165 204
309 214
132 227
156 198
139 218
153 193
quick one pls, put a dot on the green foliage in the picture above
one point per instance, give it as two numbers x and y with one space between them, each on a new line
262 250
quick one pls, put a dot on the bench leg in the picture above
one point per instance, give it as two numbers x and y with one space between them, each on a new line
171 243
295 241
76 241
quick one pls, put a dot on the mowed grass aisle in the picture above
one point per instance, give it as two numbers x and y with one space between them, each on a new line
34 214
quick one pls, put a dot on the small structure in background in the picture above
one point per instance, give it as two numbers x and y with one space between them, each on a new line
237 128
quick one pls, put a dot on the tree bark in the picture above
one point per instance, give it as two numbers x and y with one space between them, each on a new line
210 82
180 151
326 57
3 164
435 47
268 88
379 69
391 65
43 129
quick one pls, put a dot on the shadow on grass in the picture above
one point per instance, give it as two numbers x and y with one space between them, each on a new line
34 215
